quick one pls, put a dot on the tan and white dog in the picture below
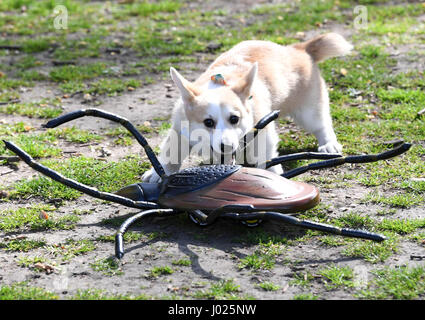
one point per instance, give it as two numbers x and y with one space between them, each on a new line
260 76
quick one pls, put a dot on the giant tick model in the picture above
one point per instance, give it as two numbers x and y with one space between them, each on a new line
207 192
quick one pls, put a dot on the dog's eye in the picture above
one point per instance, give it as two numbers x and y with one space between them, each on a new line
234 119
209 123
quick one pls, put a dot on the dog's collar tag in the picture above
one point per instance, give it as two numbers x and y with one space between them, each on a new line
218 79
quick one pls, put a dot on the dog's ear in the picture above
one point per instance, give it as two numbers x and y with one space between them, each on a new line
186 88
243 87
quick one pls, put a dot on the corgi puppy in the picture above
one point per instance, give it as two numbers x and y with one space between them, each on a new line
240 87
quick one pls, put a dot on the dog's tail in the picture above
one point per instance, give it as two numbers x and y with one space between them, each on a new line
325 46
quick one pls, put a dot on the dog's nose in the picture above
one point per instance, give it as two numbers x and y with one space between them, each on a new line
225 147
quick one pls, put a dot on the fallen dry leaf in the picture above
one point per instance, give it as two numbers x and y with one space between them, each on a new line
44 215
45 267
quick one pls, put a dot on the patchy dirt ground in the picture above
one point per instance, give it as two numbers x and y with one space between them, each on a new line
174 259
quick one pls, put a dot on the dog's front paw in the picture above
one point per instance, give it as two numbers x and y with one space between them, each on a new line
151 176
331 147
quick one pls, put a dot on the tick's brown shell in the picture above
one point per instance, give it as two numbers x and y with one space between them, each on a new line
219 186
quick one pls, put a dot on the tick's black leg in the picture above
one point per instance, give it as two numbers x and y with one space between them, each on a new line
305 224
119 242
324 227
349 159
110 116
267 119
300 156
254 131
199 218
76 185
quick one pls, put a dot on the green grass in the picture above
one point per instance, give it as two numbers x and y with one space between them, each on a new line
29 262
74 135
36 145
112 86
257 261
397 19
71 248
70 50
32 75
357 221
182 262
44 144
36 45
399 200
269 286
337 276
418 238
302 279
98 294
220 290
30 217
13 128
396 283
106 176
108 266
156 272
130 236
124 137
373 252
74 73
305 296
13 84
21 291
22 245
402 226
263 258
370 251
144 9
28 61
81 16
32 110
282 19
